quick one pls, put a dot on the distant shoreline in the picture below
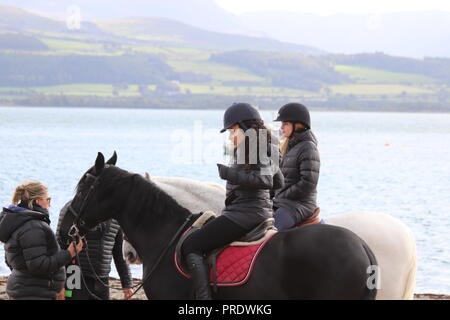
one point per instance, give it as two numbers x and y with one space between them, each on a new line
221 102
313 109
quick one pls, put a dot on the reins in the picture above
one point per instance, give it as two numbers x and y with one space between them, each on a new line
163 253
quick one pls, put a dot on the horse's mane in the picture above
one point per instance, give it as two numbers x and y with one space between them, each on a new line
146 196
159 202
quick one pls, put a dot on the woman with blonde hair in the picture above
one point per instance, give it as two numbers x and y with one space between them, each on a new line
297 200
31 250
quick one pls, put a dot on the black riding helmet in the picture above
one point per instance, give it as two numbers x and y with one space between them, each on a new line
295 112
238 113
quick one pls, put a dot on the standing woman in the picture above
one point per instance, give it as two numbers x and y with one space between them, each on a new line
31 250
297 200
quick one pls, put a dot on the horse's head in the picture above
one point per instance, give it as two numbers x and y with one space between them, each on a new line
93 203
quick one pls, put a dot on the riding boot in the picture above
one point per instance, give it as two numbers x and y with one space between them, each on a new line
200 276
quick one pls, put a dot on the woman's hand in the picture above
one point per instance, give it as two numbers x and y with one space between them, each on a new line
73 250
223 171
61 294
127 293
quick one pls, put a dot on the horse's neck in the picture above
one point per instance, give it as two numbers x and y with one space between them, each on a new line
151 219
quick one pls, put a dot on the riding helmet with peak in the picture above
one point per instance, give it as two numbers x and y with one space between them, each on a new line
238 113
295 112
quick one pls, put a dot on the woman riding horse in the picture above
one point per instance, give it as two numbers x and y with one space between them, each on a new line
296 202
247 202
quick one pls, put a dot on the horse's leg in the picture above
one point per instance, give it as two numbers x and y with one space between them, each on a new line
167 283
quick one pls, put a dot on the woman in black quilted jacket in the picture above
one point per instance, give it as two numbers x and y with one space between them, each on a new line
297 200
248 202
31 250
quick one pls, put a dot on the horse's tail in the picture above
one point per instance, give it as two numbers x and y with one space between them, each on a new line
371 294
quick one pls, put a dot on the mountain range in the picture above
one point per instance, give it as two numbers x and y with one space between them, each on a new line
145 30
205 14
411 34
119 52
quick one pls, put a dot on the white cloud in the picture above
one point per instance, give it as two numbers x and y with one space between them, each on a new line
326 7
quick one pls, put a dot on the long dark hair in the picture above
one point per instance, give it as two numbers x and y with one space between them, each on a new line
256 125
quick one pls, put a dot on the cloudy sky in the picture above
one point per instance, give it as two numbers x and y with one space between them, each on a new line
327 7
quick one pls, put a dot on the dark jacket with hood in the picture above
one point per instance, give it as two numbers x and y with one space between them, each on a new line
248 192
300 166
102 244
32 253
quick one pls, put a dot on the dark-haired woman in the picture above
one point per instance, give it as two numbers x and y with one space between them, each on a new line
297 200
248 202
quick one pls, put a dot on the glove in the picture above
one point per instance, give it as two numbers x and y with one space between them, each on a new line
223 171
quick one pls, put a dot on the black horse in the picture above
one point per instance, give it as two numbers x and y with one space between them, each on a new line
311 262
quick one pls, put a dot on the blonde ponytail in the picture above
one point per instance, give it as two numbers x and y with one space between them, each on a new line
28 192
284 143
283 146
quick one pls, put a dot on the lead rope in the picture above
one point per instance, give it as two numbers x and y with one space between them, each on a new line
163 253
93 270
82 276
95 274
161 256
74 233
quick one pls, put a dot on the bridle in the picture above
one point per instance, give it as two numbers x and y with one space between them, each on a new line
74 233
78 221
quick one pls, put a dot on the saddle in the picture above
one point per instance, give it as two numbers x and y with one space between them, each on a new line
232 265
313 219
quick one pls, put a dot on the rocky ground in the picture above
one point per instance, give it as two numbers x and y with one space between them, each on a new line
117 294
116 291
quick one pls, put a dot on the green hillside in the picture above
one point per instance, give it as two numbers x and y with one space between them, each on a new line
15 19
168 32
154 62
377 76
13 41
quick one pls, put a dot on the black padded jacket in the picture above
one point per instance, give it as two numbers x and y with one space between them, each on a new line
300 166
248 193
33 255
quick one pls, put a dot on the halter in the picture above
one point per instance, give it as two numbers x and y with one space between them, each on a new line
74 229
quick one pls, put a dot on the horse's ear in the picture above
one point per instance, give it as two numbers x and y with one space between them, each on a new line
147 176
99 163
113 159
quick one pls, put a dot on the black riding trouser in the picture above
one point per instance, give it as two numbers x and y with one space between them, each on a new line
215 234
